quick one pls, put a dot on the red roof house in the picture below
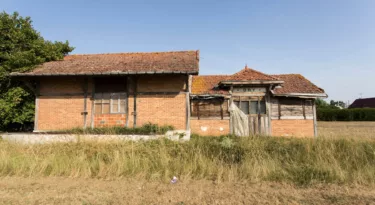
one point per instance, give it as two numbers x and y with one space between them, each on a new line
131 89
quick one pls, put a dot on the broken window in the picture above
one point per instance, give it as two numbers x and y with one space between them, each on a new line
106 103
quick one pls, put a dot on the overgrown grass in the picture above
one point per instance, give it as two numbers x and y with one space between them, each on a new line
253 159
146 129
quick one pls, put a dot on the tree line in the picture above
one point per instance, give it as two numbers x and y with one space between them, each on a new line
21 49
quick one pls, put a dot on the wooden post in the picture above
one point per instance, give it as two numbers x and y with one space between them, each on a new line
239 104
197 104
135 101
315 123
221 109
37 94
259 118
92 102
230 113
187 103
85 87
303 108
269 111
127 101
279 108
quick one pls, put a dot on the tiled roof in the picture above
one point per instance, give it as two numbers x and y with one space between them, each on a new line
293 83
207 84
296 83
363 103
122 63
248 74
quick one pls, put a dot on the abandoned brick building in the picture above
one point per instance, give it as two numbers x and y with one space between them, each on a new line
131 89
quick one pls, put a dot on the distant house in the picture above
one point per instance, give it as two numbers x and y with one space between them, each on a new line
131 89
363 103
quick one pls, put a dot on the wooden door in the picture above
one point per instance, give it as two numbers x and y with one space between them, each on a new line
257 110
258 124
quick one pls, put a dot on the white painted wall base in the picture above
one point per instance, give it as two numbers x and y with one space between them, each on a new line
26 138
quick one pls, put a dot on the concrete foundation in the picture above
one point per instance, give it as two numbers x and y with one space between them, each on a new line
29 138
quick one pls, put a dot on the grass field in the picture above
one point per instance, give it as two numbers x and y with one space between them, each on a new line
336 168
347 129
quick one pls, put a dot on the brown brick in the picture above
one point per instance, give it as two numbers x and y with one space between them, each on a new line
210 127
296 128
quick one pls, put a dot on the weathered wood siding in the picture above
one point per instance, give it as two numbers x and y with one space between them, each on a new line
213 108
291 108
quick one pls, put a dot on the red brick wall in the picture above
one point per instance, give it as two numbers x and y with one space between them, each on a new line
162 110
296 128
105 120
57 111
161 83
55 85
210 127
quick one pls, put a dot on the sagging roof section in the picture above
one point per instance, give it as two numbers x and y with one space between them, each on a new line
186 62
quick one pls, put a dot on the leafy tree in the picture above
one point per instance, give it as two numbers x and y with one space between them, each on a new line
320 103
21 49
337 103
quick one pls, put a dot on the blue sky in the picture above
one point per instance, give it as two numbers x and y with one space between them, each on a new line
331 42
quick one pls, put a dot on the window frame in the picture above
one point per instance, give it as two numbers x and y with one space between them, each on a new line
111 94
238 104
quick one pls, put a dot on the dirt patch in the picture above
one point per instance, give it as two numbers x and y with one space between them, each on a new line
123 191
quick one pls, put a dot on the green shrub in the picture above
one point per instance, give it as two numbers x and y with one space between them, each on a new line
357 114
145 129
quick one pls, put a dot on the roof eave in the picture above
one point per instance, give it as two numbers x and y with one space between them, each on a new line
209 95
302 95
252 82
102 74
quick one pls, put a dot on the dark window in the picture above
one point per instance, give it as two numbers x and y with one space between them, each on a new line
253 108
110 85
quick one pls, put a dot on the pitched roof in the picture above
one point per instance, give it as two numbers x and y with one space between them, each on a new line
363 103
208 84
121 63
296 83
248 74
293 84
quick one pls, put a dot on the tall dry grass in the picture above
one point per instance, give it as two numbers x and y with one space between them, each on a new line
301 161
347 129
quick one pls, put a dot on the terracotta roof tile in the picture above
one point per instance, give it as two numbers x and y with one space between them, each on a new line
248 74
207 84
175 61
296 83
293 83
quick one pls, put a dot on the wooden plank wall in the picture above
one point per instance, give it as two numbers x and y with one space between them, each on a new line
216 108
291 108
258 129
